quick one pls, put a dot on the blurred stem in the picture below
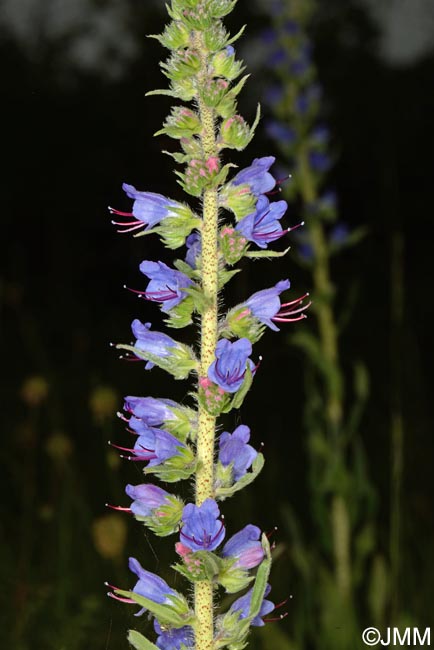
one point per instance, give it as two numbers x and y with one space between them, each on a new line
397 420
323 296
203 591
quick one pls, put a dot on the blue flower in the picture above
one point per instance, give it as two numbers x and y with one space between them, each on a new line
245 547
242 605
277 57
173 638
291 27
274 95
339 234
280 132
148 210
320 135
150 585
305 100
166 285
234 448
302 60
151 410
319 161
262 226
155 343
153 445
202 529
257 176
265 304
194 249
229 368
146 498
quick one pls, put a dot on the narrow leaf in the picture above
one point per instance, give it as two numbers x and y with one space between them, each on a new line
139 642
256 254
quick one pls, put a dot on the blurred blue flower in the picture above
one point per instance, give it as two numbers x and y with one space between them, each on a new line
280 132
319 161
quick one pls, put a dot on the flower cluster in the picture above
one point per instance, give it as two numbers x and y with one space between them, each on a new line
173 441
295 124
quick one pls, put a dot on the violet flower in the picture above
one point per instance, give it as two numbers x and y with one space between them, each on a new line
202 529
166 285
148 210
156 343
263 226
257 176
280 132
245 547
229 368
151 410
242 605
180 638
234 448
150 586
146 498
152 445
265 304
194 249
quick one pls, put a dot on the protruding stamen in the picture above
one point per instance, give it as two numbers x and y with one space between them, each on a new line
289 320
118 508
290 312
133 451
296 301
120 213
271 532
297 225
283 180
276 618
130 601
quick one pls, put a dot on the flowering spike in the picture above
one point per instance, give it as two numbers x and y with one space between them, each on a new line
174 441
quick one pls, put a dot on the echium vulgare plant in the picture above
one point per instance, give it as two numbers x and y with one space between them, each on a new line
175 441
342 575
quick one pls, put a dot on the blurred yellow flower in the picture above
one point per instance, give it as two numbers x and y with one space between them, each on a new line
109 534
103 403
34 390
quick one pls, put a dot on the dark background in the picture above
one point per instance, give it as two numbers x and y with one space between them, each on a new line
72 133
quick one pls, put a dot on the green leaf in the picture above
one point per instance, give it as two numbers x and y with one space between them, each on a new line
261 581
162 91
225 276
139 642
237 35
223 493
166 614
239 396
256 254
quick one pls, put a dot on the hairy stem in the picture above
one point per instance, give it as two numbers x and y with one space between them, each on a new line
203 595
